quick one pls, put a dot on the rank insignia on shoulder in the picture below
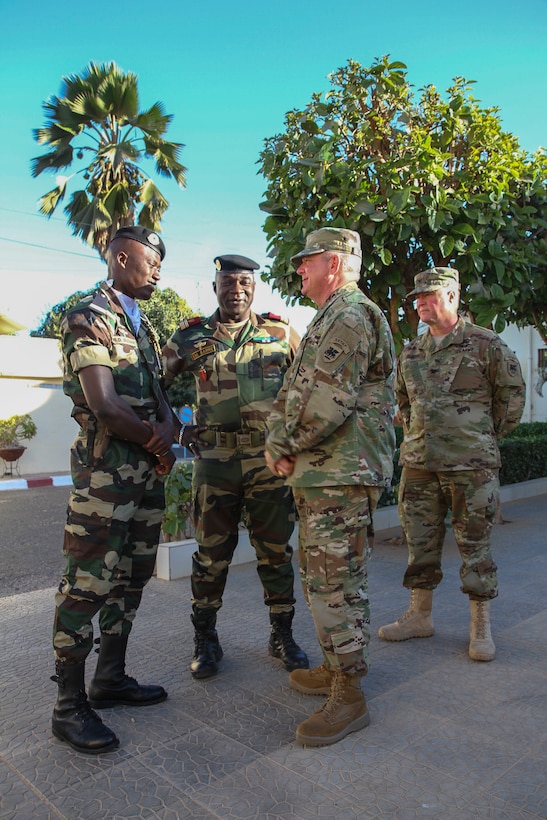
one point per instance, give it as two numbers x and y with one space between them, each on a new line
275 317
190 322
99 303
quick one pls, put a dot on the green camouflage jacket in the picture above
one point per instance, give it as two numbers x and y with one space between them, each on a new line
335 410
456 399
97 331
236 380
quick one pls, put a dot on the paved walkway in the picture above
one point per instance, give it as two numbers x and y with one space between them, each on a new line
449 739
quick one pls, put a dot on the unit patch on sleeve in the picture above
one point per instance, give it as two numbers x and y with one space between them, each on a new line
336 348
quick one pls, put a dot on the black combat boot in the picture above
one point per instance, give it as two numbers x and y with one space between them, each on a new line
111 686
207 651
282 644
74 721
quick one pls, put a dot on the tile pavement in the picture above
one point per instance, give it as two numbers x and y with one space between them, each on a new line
449 738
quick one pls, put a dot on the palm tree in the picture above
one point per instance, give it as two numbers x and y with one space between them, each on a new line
96 119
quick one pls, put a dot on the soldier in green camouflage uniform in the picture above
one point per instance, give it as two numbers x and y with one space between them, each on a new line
460 389
119 459
238 359
331 432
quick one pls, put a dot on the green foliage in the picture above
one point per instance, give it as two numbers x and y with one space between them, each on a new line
425 179
177 518
182 391
165 309
49 327
16 428
96 124
524 453
528 429
523 459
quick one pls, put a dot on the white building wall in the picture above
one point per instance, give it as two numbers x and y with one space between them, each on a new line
526 343
49 451
31 382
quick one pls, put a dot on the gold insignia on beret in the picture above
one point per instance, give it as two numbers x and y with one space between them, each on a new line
153 238
218 264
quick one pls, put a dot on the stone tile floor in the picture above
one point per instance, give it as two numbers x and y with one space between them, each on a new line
449 738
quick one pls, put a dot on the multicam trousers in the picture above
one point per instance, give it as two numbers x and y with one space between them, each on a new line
222 489
111 537
424 500
333 552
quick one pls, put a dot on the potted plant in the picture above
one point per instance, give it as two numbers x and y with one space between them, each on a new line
12 431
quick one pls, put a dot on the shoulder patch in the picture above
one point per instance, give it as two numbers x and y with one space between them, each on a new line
337 347
275 317
190 322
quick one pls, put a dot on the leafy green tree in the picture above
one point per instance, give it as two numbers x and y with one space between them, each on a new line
96 121
164 309
50 324
425 180
530 304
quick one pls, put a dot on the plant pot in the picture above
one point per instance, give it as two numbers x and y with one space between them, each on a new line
12 452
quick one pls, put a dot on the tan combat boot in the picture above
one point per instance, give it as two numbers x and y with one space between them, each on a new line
481 645
316 681
343 712
416 622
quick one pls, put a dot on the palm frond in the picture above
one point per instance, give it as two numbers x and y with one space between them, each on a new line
153 121
117 200
53 161
48 202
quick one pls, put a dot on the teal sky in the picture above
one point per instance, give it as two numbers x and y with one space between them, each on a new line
229 72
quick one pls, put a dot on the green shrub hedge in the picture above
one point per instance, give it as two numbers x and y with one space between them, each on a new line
523 457
524 453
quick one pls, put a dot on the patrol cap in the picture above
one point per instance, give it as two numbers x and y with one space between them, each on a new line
340 240
143 235
434 279
233 263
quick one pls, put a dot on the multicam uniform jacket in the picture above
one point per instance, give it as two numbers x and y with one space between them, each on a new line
335 410
236 379
456 399
98 332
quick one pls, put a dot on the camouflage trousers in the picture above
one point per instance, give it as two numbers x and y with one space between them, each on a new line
221 490
333 550
111 538
424 500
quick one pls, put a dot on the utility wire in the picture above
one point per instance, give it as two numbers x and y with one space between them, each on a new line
45 248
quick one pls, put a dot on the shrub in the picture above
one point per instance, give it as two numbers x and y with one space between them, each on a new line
177 517
524 453
15 428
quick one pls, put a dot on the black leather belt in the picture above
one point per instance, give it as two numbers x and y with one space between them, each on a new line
238 438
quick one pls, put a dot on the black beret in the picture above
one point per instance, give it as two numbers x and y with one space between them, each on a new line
233 263
143 235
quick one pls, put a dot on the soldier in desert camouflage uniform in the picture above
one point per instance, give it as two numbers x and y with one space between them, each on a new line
119 459
460 389
238 359
331 432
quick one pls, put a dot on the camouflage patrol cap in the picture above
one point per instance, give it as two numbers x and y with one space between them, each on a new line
143 235
435 279
233 263
340 240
